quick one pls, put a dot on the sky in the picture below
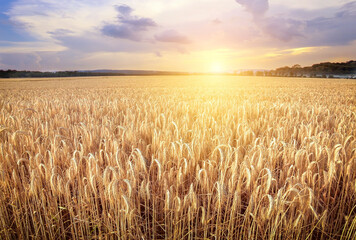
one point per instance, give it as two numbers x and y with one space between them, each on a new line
174 35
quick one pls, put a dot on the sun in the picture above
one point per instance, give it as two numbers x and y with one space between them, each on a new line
217 67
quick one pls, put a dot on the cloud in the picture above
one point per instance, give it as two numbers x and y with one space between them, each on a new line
158 54
255 7
20 61
124 10
284 29
216 21
90 42
337 29
277 27
60 32
66 35
349 9
172 36
39 17
128 26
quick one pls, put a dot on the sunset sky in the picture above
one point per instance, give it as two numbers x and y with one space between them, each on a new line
176 35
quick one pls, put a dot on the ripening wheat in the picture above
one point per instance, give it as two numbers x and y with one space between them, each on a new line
178 158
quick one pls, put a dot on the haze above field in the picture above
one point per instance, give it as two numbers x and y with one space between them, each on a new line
191 36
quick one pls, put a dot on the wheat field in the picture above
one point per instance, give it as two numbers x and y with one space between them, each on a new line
178 157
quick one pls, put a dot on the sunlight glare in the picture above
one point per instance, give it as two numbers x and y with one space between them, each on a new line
217 67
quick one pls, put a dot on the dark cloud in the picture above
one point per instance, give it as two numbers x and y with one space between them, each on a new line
124 10
172 36
349 9
140 23
283 29
121 31
335 30
128 26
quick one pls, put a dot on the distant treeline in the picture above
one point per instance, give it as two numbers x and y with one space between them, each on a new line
326 69
38 74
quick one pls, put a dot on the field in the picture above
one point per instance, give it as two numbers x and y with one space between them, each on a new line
179 157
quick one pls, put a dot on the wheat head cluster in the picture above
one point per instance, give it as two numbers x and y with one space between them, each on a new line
194 157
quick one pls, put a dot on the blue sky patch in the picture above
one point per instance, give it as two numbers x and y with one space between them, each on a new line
8 31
